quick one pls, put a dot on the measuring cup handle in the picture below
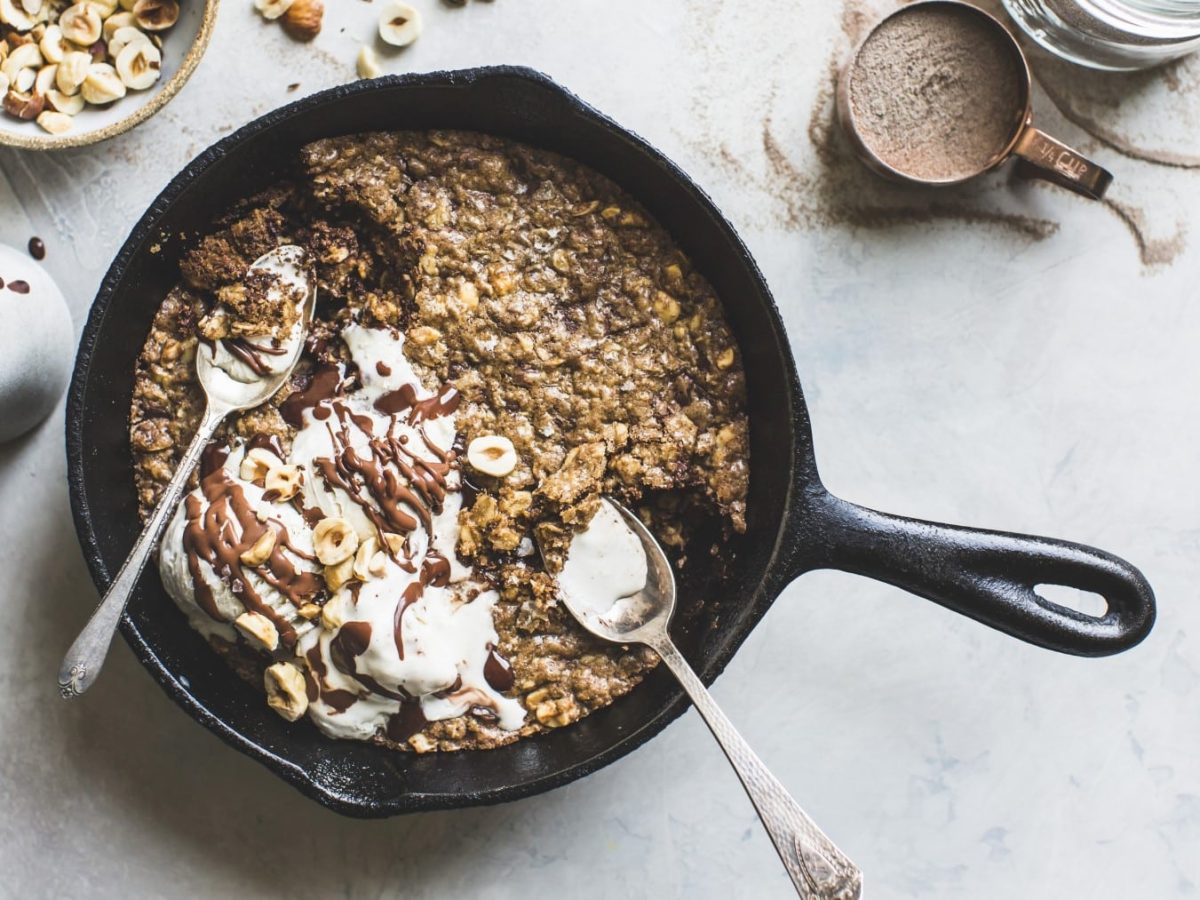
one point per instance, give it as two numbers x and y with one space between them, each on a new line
1041 156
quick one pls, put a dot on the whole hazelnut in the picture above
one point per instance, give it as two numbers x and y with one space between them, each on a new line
302 20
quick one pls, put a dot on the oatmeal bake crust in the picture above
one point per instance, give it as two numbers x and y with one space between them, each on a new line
563 313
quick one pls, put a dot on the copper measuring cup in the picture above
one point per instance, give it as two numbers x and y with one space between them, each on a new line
1039 155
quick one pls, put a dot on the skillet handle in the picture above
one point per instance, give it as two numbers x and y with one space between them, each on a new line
988 576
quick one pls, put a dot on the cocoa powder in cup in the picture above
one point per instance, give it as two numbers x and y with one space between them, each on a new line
937 92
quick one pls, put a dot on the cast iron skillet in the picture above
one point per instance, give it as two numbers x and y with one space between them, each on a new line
795 525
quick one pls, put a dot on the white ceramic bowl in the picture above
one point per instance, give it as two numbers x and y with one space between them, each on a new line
183 46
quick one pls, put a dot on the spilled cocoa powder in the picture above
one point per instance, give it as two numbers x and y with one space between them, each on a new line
936 92
815 181
1152 251
1097 104
1093 104
1112 108
845 193
827 185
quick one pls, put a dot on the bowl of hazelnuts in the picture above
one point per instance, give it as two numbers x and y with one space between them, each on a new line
73 73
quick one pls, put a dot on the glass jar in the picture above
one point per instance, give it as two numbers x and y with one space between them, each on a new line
1111 34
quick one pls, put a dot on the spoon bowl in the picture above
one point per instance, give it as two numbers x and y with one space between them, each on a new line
644 616
222 389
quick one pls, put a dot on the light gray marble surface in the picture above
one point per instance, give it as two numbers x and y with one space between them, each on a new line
955 370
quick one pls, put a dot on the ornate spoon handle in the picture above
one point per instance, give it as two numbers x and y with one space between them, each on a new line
82 663
818 869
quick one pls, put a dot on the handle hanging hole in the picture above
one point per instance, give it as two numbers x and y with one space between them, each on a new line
1087 602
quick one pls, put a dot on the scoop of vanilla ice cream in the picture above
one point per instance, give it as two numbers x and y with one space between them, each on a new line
447 632
177 578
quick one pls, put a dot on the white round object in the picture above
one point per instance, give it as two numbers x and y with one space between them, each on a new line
37 342
399 24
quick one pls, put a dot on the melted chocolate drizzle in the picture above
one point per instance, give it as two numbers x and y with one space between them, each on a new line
268 442
374 482
338 700
404 398
212 458
352 641
210 535
252 354
497 672
407 722
323 383
435 570
397 489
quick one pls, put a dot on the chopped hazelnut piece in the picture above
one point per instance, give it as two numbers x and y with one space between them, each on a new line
334 540
492 454
258 630
399 24
286 693
367 65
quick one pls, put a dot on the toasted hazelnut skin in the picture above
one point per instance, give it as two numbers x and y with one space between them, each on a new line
155 15
24 106
302 21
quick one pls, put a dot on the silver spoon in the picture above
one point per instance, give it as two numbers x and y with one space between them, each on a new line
818 869
224 395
